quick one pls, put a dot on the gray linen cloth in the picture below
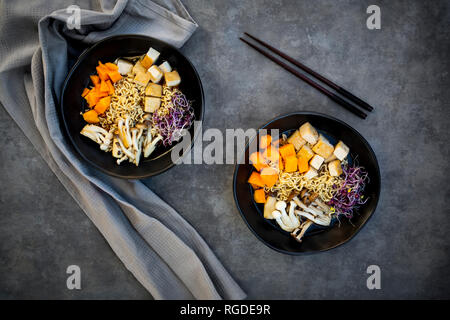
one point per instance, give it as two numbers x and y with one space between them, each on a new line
161 249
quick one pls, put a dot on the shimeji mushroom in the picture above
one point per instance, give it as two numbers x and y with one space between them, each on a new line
286 222
309 208
150 147
300 232
320 220
99 135
322 204
116 149
277 216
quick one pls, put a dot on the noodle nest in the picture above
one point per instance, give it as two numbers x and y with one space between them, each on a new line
127 101
323 184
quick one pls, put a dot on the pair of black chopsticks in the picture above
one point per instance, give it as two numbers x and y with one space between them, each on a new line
357 101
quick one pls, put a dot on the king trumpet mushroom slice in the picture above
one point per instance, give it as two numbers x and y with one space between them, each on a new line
269 207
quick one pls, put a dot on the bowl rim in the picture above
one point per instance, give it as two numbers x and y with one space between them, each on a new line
73 69
300 253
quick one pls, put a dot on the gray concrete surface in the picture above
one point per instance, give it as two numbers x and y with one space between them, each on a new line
402 69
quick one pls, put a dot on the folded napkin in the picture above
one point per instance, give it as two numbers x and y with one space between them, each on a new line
37 49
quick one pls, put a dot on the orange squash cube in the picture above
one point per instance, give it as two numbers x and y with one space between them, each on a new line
104 86
111 66
114 76
303 165
102 105
102 72
110 87
269 176
264 141
85 92
290 163
271 154
95 80
259 196
257 160
92 98
255 179
91 116
287 151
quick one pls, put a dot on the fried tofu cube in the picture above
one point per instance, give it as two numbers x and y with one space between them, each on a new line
139 68
309 133
154 90
335 168
152 104
311 173
330 158
124 67
316 161
172 78
142 78
165 67
155 74
297 140
305 153
323 147
150 58
341 150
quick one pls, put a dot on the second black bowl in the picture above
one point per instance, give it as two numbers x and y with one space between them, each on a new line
72 104
322 238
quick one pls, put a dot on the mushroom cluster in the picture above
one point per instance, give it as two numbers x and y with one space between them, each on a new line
125 143
300 214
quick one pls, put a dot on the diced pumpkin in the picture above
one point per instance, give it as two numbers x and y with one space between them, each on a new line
95 80
102 105
254 186
259 196
99 93
110 87
111 66
85 92
257 160
287 150
92 98
91 116
290 163
255 179
102 72
264 141
303 165
281 165
114 76
104 86
269 176
271 154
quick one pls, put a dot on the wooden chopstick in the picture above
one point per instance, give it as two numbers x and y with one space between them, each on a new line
330 83
314 84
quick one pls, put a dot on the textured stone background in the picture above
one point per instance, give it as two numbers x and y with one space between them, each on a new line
402 69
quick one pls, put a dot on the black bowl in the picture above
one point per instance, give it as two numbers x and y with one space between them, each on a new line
319 238
72 104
